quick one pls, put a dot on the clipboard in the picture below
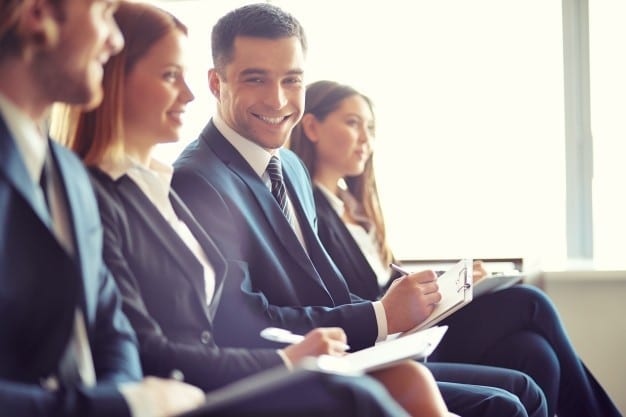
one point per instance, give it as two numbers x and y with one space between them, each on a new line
456 287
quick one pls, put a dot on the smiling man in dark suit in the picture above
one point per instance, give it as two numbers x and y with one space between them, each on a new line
255 199
66 349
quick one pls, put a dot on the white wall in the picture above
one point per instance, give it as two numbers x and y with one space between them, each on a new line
593 308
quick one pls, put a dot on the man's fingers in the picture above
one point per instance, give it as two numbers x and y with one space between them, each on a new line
429 287
423 276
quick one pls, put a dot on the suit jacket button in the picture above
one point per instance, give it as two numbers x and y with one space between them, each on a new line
205 337
50 383
177 374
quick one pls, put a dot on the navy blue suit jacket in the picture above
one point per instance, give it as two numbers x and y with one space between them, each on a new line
292 288
40 287
162 285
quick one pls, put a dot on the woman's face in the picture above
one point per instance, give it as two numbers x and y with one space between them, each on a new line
343 140
156 93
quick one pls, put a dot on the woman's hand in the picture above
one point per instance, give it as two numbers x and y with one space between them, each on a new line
320 341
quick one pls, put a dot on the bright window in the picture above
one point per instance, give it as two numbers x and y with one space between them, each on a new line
469 105
608 112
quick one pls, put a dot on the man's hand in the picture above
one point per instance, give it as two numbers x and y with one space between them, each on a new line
158 397
410 300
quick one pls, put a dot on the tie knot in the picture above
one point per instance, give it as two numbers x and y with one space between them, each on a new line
275 170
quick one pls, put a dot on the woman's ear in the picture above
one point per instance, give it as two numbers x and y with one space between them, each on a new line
309 127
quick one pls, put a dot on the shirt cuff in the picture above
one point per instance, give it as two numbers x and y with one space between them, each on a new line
381 320
140 402
285 359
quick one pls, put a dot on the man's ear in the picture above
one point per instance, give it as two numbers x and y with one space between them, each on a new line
309 127
39 24
214 83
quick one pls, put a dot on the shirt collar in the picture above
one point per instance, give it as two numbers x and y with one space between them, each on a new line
31 142
255 155
335 202
344 201
118 167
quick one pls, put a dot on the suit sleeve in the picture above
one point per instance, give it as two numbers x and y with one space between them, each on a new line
26 400
204 365
214 214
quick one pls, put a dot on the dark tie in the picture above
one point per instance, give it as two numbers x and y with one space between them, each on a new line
275 171
43 183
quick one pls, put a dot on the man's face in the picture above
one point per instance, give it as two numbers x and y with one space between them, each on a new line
261 93
70 68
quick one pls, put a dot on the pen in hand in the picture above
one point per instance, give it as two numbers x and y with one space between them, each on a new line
405 272
279 335
399 269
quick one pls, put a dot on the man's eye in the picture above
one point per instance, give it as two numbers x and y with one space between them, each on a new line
295 80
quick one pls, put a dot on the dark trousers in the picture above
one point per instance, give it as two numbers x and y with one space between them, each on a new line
519 328
485 391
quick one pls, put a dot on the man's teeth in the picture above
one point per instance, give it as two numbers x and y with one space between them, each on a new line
271 120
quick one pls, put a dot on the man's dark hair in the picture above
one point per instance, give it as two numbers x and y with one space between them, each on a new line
260 20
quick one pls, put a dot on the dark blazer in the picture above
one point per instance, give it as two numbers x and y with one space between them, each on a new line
294 289
40 287
344 250
162 287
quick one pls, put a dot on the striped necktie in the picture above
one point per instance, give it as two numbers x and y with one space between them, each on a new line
275 171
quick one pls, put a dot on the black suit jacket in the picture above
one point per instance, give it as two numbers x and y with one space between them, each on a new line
40 287
344 250
293 288
162 286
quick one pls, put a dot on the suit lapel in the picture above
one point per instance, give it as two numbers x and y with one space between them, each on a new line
79 232
163 232
342 238
263 197
210 249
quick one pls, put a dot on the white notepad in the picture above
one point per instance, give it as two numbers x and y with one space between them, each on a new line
418 345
